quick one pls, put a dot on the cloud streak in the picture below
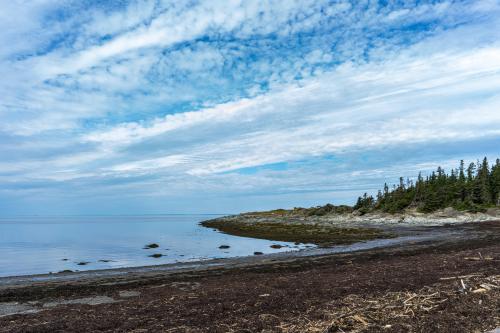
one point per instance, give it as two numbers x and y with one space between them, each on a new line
203 96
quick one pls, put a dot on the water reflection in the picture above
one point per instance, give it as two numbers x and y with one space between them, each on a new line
31 245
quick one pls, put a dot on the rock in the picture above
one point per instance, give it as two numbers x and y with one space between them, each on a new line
493 211
156 255
450 212
356 213
83 263
151 246
66 271
224 247
276 246
257 253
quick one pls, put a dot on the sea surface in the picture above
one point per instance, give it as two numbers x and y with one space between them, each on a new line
37 245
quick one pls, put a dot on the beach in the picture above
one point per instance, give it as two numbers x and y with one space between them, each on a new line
446 279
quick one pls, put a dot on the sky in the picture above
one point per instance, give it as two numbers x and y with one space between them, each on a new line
150 107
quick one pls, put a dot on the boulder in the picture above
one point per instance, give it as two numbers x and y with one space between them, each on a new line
450 212
493 211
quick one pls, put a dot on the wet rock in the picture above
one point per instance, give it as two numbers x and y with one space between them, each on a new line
64 259
105 260
83 263
156 255
276 246
224 247
257 253
151 246
66 271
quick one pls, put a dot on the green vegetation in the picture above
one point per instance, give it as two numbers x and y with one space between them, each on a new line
474 189
299 211
322 235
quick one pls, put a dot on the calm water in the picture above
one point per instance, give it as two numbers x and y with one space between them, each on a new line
31 245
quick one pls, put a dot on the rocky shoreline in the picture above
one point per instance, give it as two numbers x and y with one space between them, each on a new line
338 228
423 285
440 217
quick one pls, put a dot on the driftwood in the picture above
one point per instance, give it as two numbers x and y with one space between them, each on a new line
359 314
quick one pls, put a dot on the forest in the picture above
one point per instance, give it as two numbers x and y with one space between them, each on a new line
474 188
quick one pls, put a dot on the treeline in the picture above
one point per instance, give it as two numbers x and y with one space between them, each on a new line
472 188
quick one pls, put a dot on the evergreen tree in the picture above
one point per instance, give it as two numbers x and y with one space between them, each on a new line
474 188
495 183
484 183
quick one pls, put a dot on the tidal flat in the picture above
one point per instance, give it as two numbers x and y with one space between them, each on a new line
336 228
321 235
419 284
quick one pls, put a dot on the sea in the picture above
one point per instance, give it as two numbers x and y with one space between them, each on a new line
50 244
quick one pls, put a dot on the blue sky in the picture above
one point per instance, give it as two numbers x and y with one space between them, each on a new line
129 107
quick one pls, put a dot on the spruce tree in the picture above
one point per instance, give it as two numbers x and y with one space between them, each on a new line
474 188
495 183
483 177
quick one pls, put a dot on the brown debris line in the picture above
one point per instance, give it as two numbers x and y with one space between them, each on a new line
416 288
363 314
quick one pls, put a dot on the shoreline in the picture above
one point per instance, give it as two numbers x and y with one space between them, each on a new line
338 228
281 294
392 226
217 263
375 219
401 232
405 235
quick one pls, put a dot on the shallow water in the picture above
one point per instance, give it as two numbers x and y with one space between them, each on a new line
33 245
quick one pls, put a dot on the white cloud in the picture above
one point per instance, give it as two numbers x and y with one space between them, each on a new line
170 93
402 101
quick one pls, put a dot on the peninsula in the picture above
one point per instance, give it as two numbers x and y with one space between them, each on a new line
465 194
